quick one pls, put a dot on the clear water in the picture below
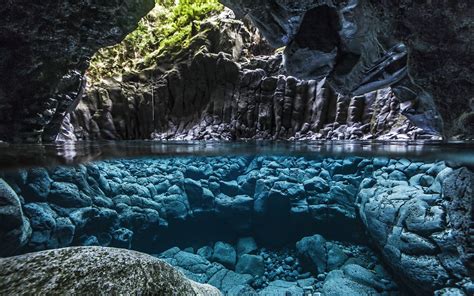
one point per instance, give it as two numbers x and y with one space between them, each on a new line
273 218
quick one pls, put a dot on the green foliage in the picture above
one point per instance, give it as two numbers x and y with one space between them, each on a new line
168 28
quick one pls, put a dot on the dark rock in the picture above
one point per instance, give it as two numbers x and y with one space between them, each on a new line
312 252
37 185
246 245
68 195
224 254
250 264
15 228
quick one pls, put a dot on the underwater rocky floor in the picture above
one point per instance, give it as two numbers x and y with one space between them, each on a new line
266 225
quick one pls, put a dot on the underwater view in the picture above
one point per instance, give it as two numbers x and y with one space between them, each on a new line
237 147
270 223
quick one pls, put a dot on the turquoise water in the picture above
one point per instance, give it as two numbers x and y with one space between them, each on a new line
270 218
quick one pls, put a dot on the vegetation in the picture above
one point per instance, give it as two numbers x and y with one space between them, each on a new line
169 27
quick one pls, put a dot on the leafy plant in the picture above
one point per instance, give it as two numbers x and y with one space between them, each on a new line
168 28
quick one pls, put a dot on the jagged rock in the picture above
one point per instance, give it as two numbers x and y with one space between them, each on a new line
94 270
421 234
57 51
320 41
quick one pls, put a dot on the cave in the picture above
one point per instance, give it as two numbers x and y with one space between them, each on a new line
236 147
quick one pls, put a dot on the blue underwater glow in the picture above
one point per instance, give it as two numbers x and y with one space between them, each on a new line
264 224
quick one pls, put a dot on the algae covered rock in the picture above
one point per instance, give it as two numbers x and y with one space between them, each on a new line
94 271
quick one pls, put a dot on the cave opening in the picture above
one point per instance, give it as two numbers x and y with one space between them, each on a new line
319 29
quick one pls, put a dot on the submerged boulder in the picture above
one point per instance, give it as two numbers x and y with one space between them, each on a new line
96 271
15 229
224 254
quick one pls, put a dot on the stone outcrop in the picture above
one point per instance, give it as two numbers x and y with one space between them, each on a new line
224 102
353 42
422 223
97 271
44 50
223 90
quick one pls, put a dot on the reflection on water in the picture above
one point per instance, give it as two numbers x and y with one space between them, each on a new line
27 155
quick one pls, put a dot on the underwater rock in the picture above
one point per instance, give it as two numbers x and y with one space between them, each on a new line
94 270
281 288
246 245
423 236
313 253
250 264
225 254
353 279
15 231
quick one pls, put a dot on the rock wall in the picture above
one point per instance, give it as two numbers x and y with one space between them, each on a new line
415 220
44 50
415 214
213 97
349 43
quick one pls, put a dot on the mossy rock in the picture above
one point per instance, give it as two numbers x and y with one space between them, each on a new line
94 271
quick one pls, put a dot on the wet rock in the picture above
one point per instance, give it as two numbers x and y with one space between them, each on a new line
43 223
95 270
246 245
15 230
205 252
282 288
68 195
225 254
37 185
225 280
250 264
312 251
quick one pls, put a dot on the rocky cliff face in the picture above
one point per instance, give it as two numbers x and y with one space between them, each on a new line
44 50
361 45
224 90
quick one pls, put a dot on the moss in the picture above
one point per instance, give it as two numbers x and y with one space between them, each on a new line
168 28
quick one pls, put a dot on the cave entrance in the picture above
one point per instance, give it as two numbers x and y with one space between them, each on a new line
319 29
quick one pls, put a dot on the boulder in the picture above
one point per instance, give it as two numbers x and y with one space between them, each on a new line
15 228
225 254
250 264
96 271
282 288
312 253
67 195
246 245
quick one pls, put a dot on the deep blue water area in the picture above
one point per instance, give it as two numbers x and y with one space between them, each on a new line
336 219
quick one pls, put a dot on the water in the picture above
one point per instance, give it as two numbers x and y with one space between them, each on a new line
345 218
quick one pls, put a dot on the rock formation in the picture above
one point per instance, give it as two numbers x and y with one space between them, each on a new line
44 51
97 271
359 45
417 214
356 45
223 91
